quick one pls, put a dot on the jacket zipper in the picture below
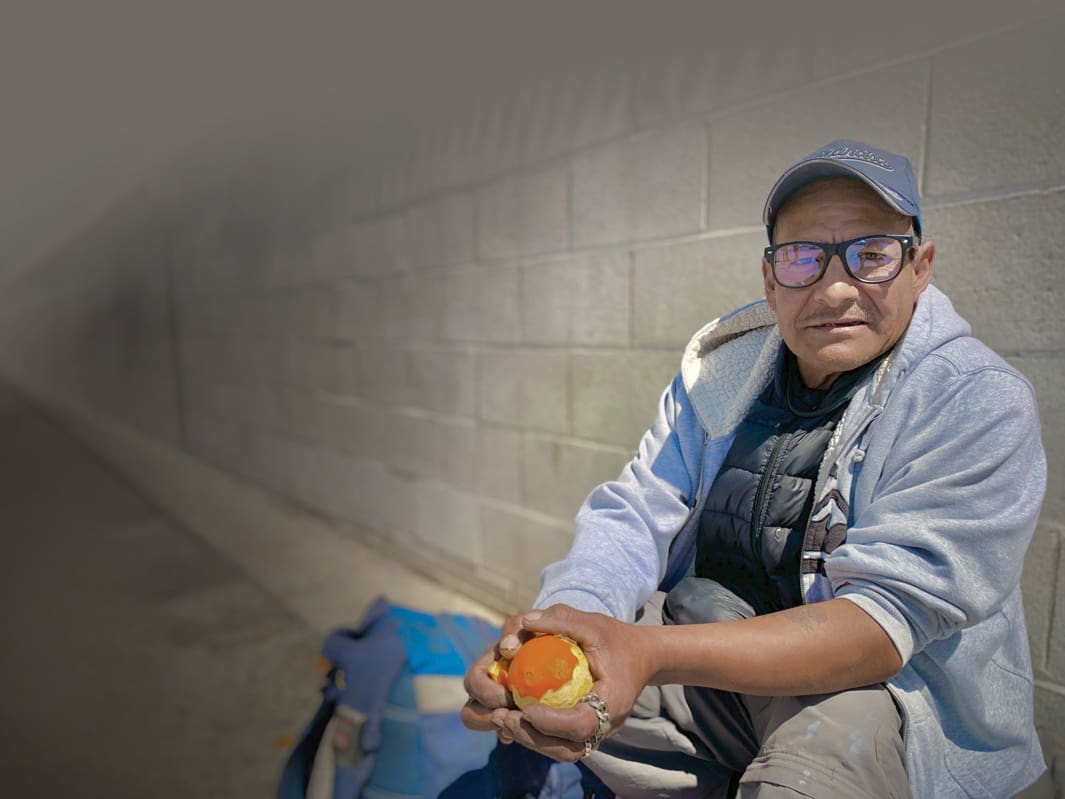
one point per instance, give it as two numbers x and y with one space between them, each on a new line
761 496
833 453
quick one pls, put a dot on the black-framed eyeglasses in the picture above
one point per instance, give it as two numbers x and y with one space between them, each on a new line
869 259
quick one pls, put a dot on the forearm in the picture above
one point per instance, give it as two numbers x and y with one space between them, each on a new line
821 648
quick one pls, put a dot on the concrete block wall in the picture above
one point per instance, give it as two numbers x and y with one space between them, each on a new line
444 354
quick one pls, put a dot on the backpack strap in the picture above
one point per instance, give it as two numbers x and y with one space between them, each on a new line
366 660
337 752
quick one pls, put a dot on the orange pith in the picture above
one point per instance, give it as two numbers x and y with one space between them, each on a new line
497 670
542 664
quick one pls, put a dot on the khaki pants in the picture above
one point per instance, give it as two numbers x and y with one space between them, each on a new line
694 742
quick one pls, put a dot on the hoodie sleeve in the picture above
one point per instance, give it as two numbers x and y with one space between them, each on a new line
941 543
625 527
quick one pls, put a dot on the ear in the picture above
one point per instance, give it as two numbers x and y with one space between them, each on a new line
770 285
923 262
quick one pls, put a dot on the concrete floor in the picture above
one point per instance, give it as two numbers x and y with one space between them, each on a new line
139 662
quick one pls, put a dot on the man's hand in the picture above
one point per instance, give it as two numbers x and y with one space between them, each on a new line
485 693
619 664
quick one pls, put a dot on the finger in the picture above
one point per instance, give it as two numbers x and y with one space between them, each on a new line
560 619
509 646
572 723
522 732
476 716
511 636
483 688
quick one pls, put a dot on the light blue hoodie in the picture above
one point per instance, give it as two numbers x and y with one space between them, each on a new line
940 461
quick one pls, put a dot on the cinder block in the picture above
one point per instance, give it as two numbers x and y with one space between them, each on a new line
337 485
433 166
396 297
517 115
647 186
333 367
358 310
498 293
221 442
294 363
518 545
525 389
382 371
615 394
312 475
306 421
1040 570
525 214
359 429
710 79
1055 662
411 309
592 109
284 265
331 258
998 109
1050 716
454 450
460 305
678 288
447 521
999 263
266 460
268 409
368 248
219 401
411 444
484 138
557 475
581 300
749 149
440 232
379 247
427 447
481 304
386 498
498 467
443 380
1047 375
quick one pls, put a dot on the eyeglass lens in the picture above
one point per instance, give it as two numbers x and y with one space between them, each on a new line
874 260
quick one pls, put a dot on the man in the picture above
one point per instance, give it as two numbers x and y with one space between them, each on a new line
821 536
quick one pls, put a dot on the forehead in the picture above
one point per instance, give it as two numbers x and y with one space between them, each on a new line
836 203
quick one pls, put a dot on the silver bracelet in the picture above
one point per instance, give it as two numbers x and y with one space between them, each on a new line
602 713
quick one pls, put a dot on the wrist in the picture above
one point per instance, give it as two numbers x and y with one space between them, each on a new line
648 652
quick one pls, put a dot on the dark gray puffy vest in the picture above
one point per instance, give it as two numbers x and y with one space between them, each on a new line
752 525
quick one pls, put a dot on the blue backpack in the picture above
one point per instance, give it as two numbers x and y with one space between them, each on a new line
388 726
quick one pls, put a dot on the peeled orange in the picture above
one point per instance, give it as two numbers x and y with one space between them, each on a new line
550 669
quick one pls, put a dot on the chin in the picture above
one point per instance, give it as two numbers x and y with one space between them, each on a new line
838 359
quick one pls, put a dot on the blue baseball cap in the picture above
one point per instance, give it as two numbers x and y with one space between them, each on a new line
890 175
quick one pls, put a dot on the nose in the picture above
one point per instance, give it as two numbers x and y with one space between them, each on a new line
836 287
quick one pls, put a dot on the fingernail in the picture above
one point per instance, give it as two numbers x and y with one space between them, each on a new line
533 615
509 643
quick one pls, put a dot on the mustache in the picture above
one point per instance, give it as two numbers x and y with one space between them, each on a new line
833 319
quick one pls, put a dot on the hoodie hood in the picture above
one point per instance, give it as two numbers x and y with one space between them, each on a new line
727 363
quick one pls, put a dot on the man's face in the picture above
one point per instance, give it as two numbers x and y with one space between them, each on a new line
838 323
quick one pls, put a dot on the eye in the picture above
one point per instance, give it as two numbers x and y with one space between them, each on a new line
873 258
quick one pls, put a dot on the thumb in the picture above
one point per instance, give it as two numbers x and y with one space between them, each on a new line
559 619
